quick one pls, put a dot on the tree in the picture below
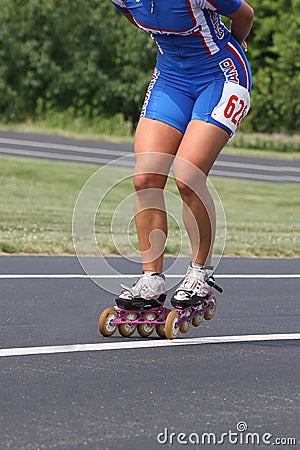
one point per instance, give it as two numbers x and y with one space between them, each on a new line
83 57
275 59
79 54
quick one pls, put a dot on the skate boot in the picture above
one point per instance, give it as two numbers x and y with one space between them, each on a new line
138 307
193 301
195 286
147 292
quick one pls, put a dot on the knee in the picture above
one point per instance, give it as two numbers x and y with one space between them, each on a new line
190 180
143 181
184 190
190 191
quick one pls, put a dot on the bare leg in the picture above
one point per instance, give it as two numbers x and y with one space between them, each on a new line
155 145
197 152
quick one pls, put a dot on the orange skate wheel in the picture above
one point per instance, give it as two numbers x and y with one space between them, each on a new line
171 330
161 329
197 320
104 324
209 314
185 326
125 329
145 329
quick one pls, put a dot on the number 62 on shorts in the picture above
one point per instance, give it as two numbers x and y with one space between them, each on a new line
234 104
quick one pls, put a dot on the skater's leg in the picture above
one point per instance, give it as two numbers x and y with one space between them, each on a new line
197 152
199 149
156 143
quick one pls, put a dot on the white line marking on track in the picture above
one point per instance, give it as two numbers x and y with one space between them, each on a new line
120 162
65 147
63 157
120 276
145 344
263 167
115 152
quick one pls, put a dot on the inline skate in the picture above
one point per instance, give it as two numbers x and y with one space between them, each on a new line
193 301
138 308
142 308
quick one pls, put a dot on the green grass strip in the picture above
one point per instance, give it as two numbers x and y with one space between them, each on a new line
37 200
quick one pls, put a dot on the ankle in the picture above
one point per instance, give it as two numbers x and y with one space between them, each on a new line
150 272
198 266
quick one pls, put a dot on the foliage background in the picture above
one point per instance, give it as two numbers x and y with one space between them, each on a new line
80 58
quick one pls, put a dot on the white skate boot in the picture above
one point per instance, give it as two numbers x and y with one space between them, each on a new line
147 292
195 286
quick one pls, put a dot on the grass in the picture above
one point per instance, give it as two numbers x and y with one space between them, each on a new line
38 197
262 218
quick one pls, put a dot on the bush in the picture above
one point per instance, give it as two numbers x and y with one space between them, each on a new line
262 141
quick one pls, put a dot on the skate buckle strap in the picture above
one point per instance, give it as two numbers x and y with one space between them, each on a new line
211 282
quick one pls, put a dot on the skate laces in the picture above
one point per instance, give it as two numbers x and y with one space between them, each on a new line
147 287
194 283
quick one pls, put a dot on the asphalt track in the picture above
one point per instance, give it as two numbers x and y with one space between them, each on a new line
63 386
232 383
92 152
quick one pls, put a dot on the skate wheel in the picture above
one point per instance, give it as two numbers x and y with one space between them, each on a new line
125 329
145 329
170 327
161 328
184 327
197 320
209 314
104 324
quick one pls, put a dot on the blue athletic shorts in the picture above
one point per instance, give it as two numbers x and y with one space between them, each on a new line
215 91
